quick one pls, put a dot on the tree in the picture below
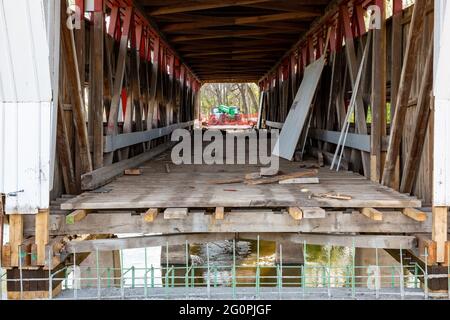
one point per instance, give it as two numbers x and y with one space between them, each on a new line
243 95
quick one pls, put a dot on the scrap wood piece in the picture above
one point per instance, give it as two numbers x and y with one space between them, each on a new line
150 215
219 213
302 174
252 176
175 213
76 216
226 181
313 212
296 213
335 196
415 214
133 172
372 214
167 168
313 180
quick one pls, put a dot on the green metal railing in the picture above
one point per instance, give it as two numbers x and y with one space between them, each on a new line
304 280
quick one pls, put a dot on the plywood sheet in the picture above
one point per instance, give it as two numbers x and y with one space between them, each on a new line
296 119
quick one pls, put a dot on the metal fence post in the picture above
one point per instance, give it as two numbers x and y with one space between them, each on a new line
353 269
402 288
98 273
208 282
145 275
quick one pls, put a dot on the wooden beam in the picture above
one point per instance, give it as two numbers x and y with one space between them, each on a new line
6 256
296 213
240 21
419 130
189 6
76 216
42 235
352 62
97 83
234 34
396 71
219 214
115 142
75 87
15 237
65 153
234 221
409 66
150 215
99 177
439 231
118 79
372 214
415 214
360 241
378 98
427 249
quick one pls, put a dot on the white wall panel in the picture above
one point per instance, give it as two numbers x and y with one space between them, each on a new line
25 106
441 165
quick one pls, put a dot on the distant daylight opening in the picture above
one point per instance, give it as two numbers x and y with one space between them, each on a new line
229 104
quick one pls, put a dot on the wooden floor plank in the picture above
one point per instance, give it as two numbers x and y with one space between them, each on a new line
188 186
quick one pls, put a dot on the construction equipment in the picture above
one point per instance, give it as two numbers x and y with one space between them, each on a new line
223 114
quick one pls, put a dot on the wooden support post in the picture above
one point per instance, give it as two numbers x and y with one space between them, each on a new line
409 65
352 62
97 79
76 216
396 71
439 231
425 242
151 215
73 77
65 153
419 131
372 214
42 235
378 101
15 237
415 214
296 213
220 213
118 79
6 256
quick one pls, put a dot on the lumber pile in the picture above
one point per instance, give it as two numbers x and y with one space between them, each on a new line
258 178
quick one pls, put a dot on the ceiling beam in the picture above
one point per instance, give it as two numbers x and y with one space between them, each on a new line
219 35
290 5
241 21
201 5
232 52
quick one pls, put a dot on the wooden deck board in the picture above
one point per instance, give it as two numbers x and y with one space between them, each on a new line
191 186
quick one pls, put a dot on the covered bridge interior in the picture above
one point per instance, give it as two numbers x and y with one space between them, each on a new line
129 73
